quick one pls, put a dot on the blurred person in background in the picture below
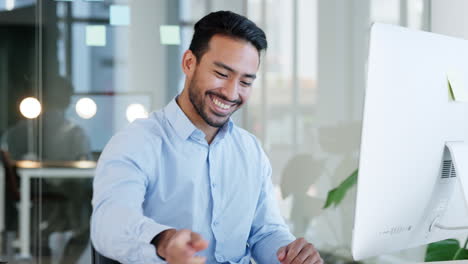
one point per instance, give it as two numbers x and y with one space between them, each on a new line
62 140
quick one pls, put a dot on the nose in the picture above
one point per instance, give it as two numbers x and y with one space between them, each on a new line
231 90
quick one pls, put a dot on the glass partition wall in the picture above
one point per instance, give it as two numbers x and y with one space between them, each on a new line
74 72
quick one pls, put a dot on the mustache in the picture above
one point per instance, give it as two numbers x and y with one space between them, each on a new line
238 101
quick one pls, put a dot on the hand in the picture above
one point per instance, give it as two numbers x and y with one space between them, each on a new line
299 251
180 246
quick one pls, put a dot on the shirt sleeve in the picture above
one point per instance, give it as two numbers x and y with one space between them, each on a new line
269 231
119 229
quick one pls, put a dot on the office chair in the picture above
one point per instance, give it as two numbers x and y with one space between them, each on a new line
12 196
97 258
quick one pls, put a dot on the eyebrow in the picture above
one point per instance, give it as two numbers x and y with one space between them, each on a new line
224 66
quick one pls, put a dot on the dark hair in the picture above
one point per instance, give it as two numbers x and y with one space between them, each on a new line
57 93
228 24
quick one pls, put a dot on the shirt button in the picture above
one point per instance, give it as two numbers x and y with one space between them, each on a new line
219 257
215 223
213 185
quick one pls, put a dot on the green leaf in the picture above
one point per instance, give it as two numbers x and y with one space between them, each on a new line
448 249
462 253
336 195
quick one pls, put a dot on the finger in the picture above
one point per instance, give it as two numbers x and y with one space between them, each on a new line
319 261
306 251
180 243
314 259
185 251
197 242
197 260
293 250
182 237
281 253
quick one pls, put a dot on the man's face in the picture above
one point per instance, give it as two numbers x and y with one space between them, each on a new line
222 80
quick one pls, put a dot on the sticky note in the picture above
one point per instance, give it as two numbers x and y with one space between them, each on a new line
96 36
119 15
170 34
450 91
457 86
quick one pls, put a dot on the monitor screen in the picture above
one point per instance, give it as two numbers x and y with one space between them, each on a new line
407 185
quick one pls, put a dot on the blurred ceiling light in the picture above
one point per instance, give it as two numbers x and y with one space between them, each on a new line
86 108
135 111
9 4
30 107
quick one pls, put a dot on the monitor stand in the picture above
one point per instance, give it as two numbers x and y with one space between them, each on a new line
454 171
459 154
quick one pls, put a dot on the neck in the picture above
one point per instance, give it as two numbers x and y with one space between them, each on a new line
189 110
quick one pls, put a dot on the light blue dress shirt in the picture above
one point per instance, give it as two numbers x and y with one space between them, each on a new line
160 173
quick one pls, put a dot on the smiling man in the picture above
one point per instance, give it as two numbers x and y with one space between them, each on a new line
188 186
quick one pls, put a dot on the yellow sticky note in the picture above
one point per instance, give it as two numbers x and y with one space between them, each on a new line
170 35
457 86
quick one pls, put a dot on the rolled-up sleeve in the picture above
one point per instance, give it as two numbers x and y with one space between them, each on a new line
119 229
269 231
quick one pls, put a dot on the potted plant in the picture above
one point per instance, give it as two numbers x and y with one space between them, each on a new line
449 249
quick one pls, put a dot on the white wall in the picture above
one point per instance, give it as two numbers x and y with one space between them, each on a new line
147 57
449 17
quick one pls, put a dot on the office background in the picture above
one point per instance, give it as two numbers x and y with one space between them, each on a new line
122 60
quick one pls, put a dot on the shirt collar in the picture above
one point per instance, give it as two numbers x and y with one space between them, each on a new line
184 127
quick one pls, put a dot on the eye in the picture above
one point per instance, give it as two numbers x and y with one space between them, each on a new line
246 83
221 75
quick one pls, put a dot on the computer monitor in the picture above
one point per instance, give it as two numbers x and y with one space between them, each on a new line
413 168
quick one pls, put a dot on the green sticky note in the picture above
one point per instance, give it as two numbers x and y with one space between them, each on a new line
96 36
457 86
170 34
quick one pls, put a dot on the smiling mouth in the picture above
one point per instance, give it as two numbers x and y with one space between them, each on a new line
218 103
222 104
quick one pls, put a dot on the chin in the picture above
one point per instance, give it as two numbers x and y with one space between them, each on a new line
217 122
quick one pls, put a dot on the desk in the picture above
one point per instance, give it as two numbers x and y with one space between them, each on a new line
33 169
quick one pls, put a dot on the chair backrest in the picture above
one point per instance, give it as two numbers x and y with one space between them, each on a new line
97 258
11 176
11 195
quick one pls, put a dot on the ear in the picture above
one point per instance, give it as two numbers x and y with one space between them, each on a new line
189 63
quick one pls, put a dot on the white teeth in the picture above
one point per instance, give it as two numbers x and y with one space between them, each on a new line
218 103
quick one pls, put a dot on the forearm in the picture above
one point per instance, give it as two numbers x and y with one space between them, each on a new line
123 234
264 250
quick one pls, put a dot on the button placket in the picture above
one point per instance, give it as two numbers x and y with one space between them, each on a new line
214 193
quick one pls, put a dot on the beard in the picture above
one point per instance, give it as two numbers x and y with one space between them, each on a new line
198 101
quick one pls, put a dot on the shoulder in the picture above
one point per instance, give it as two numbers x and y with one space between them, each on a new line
250 145
138 138
248 140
